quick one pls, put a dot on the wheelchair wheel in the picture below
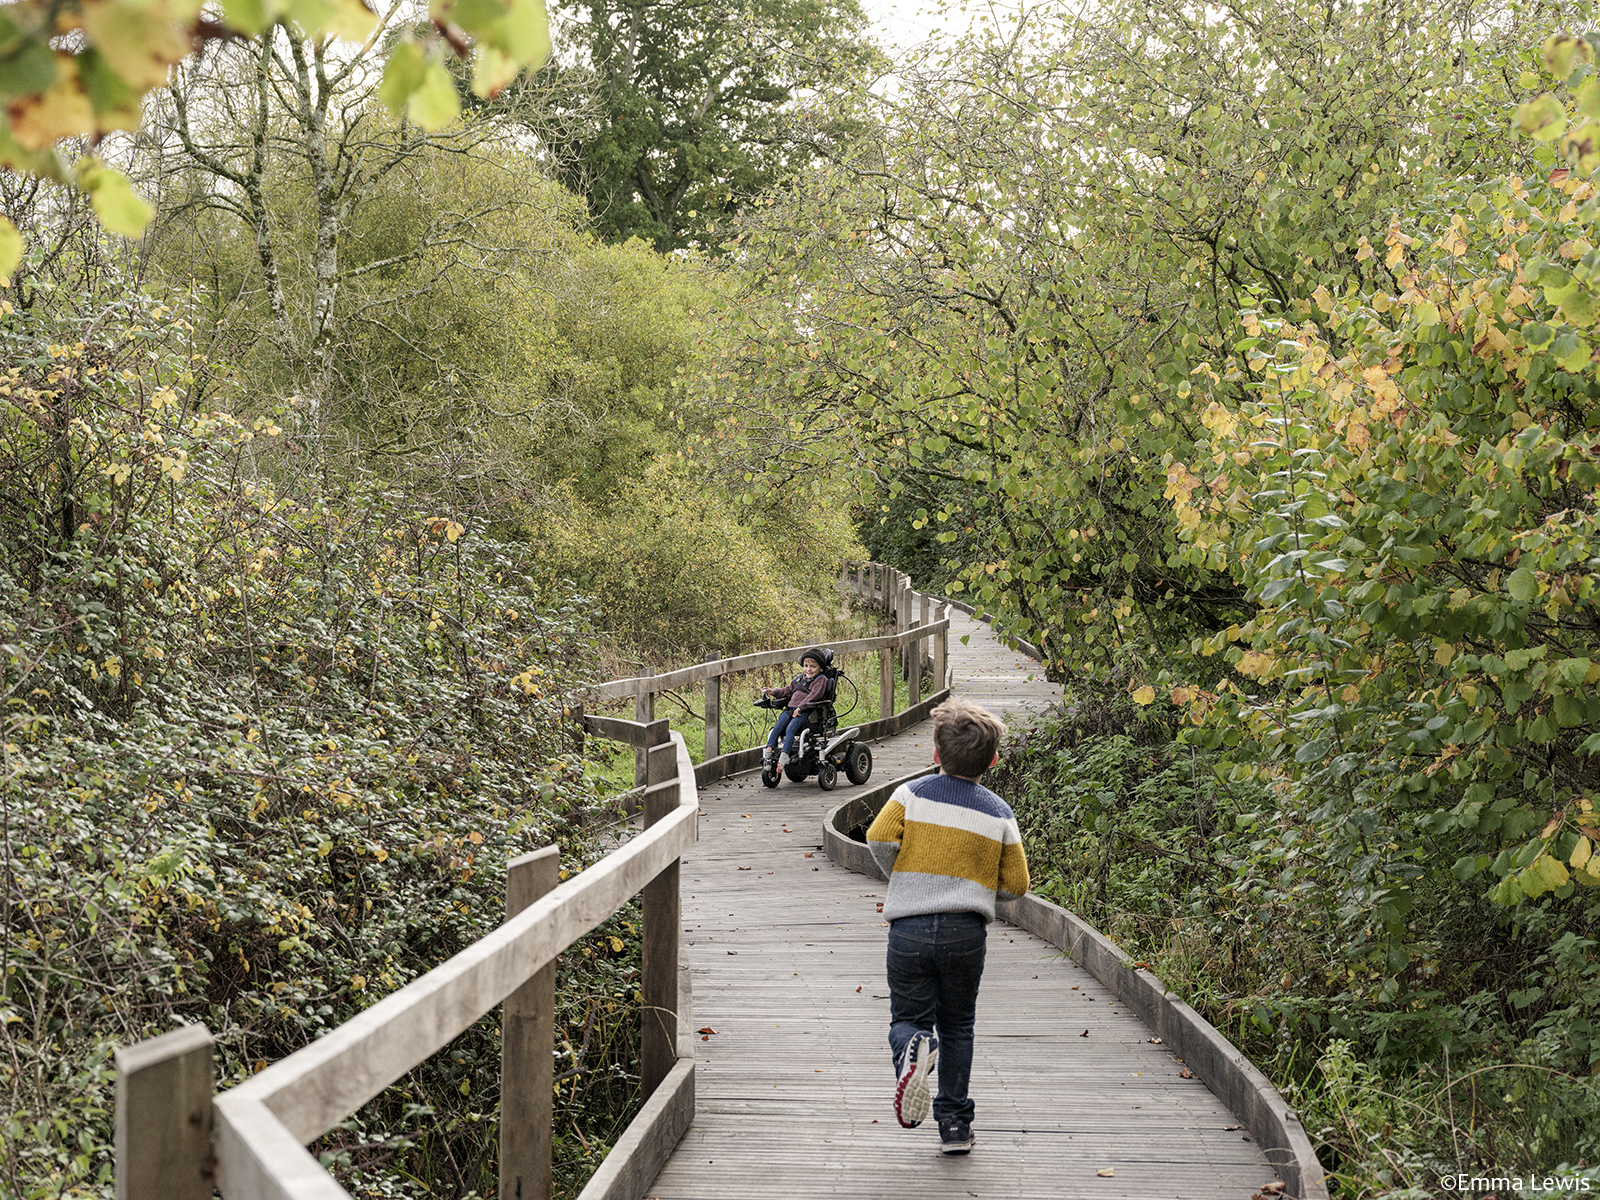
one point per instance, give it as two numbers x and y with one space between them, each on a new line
796 772
827 775
769 777
858 763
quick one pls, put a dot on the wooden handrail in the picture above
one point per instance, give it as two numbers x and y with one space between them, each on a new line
263 1124
642 685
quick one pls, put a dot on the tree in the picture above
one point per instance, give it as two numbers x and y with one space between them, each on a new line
693 102
285 142
996 295
81 68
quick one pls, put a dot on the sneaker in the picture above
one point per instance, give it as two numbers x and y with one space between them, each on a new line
783 761
955 1136
913 1096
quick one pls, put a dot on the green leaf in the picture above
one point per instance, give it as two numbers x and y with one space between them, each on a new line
10 249
1537 336
1571 353
1426 313
1522 585
29 70
435 104
1563 51
1578 306
1543 119
404 74
120 210
250 16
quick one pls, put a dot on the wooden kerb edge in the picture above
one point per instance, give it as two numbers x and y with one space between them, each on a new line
837 843
1232 1077
634 1162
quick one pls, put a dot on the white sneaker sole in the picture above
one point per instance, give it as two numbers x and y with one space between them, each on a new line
913 1099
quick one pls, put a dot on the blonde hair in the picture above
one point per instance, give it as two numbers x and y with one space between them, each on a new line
966 735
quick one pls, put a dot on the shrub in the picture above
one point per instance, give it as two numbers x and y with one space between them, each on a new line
266 747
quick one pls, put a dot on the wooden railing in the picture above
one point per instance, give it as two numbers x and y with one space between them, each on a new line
923 631
178 1139
175 1140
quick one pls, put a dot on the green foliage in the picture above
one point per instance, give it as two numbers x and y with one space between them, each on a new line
677 571
56 90
1244 917
997 293
263 752
684 111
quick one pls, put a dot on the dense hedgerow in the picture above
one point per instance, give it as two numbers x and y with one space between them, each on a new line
269 737
1218 888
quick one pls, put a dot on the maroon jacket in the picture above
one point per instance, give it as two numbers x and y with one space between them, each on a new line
801 694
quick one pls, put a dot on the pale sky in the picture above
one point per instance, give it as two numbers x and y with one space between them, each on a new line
901 24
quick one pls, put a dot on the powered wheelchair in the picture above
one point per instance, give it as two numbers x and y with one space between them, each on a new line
822 750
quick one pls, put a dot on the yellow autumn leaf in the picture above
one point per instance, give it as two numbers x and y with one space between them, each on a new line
616 945
1581 854
1144 695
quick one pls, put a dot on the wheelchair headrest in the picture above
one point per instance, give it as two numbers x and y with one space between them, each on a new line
822 654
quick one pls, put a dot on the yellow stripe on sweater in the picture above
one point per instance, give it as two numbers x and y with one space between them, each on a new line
1013 870
890 823
940 850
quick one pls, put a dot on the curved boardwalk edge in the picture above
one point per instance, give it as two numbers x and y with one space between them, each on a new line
1220 1065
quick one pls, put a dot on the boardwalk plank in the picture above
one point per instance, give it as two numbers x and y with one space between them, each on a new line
795 1086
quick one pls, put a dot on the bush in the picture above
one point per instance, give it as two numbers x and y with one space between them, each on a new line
1216 886
678 571
266 748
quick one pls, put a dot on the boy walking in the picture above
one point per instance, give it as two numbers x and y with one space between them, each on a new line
949 846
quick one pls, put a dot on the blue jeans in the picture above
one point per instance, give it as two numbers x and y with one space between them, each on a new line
791 721
935 964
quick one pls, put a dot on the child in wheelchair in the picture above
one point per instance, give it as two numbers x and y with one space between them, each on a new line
802 698
808 728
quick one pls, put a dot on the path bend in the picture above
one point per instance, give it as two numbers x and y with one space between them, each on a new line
794 1087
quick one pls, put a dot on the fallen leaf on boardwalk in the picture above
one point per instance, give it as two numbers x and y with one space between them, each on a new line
858 989
1074 987
705 1029
733 952
1231 1128
1186 1074
1085 1033
746 816
809 854
744 868
1154 1041
1108 1172
1275 1188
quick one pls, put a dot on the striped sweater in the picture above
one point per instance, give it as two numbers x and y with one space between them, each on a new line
947 845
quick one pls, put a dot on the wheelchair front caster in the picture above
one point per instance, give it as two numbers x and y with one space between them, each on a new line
769 775
827 775
858 763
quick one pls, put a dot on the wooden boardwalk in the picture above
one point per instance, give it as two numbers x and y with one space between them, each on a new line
795 1086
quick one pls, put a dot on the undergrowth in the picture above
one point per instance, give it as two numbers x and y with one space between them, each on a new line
268 734
1470 1057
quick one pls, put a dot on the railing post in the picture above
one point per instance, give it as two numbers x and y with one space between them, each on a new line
903 623
885 683
527 1047
163 1124
662 928
916 658
644 709
713 712
941 649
